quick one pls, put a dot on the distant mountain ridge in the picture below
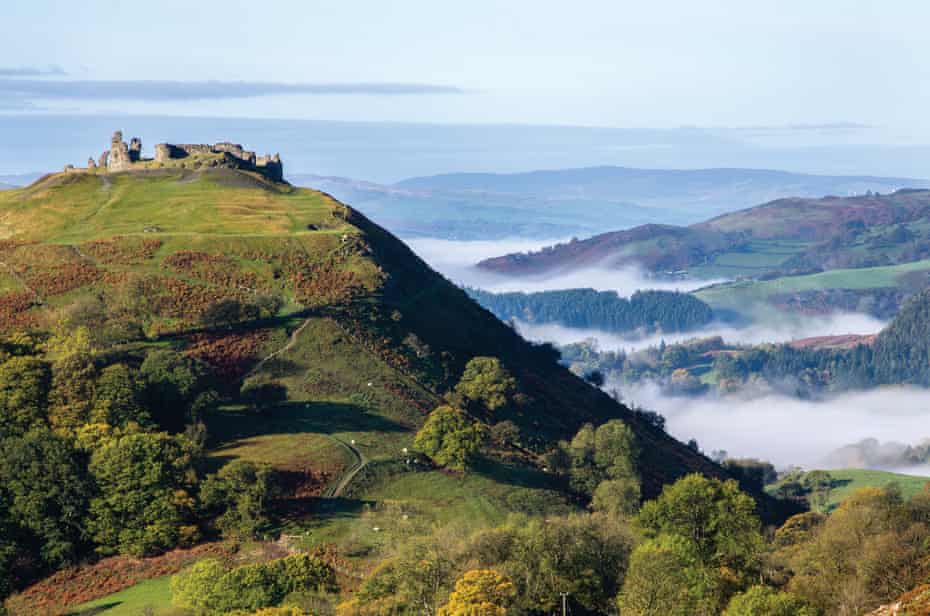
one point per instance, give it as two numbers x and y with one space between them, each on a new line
793 235
578 202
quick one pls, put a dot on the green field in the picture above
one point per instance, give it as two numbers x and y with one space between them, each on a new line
847 481
742 293
758 257
153 594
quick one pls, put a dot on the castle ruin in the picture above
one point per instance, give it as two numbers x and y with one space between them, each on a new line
128 157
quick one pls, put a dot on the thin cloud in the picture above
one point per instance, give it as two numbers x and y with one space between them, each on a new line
41 89
52 70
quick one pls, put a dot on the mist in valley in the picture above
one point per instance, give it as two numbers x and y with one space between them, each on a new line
782 429
772 330
788 431
457 259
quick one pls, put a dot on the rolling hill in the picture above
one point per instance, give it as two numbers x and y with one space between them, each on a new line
783 236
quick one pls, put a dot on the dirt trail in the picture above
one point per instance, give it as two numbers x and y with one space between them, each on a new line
360 462
291 342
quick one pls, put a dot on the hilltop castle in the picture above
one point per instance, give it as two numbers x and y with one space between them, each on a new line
128 157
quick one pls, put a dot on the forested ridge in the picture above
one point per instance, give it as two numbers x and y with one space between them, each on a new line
647 311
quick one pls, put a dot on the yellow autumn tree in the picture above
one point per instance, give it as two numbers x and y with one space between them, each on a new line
480 592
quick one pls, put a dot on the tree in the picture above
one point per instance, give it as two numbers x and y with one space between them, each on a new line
751 473
505 433
713 517
24 387
608 452
222 312
617 497
44 480
486 382
665 580
10 551
173 384
72 392
818 484
766 601
261 395
584 555
417 579
142 507
450 438
198 585
480 592
240 492
117 398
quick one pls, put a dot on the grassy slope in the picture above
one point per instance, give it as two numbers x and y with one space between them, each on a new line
153 594
850 480
739 294
347 361
847 481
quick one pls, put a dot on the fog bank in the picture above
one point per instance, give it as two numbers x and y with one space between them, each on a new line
783 330
456 260
788 431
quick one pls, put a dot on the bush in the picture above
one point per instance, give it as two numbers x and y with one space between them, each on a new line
765 601
209 588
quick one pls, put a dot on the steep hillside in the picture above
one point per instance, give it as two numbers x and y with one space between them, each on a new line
366 337
784 236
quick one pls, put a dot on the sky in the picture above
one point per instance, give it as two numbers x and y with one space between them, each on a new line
661 64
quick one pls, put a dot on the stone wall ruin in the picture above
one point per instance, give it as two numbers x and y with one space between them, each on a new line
123 157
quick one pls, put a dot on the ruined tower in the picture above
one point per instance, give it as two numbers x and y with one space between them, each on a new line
119 159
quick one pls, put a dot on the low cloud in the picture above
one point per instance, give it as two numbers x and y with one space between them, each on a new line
456 259
785 329
788 431
44 89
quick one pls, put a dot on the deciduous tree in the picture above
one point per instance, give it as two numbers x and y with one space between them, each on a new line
450 438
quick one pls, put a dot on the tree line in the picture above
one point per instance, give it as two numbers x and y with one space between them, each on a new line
646 311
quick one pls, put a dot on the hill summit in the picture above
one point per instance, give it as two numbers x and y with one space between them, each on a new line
128 157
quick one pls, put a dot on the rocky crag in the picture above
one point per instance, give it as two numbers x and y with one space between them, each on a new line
128 157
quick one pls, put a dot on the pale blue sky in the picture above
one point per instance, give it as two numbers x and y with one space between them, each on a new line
610 63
